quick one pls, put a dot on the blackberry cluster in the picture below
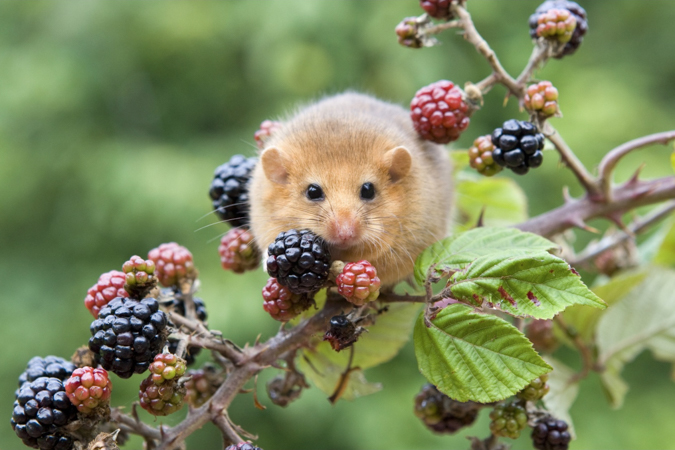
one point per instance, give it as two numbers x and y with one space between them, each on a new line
540 24
439 112
229 190
408 33
282 304
508 420
109 286
518 146
161 399
41 410
243 446
173 264
165 367
237 251
202 384
49 366
542 97
299 260
358 283
267 129
442 414
536 390
342 333
89 389
283 390
127 335
438 9
540 333
551 434
139 276
480 157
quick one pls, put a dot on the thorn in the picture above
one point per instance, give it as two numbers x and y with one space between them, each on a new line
633 181
506 99
616 217
566 195
579 223
481 217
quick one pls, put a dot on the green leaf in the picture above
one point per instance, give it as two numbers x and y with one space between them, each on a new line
643 319
584 318
563 392
471 356
665 255
379 344
536 284
457 251
503 200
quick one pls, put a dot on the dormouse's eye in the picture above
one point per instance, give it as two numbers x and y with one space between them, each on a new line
368 191
315 193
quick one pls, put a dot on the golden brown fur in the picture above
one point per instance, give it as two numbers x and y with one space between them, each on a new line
340 143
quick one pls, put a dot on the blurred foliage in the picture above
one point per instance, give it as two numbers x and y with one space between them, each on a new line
114 115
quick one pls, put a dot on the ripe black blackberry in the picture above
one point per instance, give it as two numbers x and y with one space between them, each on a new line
580 29
127 335
518 146
550 434
442 414
49 366
299 260
178 304
41 409
229 190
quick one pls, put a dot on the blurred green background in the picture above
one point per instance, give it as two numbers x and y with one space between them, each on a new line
113 117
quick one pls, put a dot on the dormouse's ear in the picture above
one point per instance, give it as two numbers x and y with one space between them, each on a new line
274 165
398 160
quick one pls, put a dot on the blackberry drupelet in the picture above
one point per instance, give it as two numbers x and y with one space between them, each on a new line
49 366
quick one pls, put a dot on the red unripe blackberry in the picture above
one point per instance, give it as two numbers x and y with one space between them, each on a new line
229 190
281 303
299 260
243 446
267 129
439 112
518 146
139 276
536 390
89 388
49 366
167 366
442 414
342 332
508 420
173 264
201 385
163 399
438 9
540 333
358 283
542 98
237 251
550 434
41 412
408 33
127 335
109 286
562 21
480 156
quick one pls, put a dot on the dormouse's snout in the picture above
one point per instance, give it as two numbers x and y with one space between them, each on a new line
343 230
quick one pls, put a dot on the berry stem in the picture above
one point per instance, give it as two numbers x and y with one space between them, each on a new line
609 242
612 158
540 55
226 427
570 159
472 35
436 29
586 354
